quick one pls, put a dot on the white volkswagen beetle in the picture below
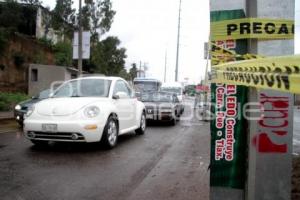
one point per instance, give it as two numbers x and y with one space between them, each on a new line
89 109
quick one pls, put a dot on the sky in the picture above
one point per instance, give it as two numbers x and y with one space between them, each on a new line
148 30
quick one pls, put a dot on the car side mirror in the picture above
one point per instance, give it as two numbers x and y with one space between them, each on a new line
122 95
115 96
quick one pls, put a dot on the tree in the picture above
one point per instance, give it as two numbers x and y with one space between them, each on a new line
108 58
10 15
32 2
97 17
63 17
85 19
133 71
124 74
63 53
106 17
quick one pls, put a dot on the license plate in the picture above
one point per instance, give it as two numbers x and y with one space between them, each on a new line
149 116
150 111
49 127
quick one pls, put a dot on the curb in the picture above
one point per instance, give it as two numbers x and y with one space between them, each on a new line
7 115
6 118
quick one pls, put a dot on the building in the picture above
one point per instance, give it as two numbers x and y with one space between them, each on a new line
43 28
41 77
35 21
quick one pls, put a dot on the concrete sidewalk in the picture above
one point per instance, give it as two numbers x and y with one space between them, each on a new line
296 134
6 115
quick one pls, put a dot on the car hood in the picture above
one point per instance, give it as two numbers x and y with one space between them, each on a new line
29 102
64 106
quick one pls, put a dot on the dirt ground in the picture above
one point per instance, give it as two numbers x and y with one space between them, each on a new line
296 178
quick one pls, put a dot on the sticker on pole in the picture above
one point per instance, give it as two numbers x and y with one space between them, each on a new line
228 140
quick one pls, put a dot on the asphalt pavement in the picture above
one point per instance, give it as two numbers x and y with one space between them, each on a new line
168 162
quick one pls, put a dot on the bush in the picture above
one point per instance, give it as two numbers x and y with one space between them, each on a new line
46 42
19 59
63 53
4 106
8 100
3 41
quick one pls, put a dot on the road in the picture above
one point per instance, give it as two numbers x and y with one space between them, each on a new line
168 162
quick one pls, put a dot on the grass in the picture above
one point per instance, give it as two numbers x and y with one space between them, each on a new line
9 99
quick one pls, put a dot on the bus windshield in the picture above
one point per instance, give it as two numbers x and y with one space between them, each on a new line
145 86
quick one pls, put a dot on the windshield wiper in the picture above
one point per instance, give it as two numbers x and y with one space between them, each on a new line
76 96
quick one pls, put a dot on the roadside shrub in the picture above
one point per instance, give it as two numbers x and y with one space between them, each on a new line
63 53
4 106
3 41
46 42
9 99
39 58
19 59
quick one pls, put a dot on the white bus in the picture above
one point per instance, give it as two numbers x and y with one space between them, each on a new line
142 85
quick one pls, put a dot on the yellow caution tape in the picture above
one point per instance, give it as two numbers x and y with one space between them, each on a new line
221 55
246 28
278 73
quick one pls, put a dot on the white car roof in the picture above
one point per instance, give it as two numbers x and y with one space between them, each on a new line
112 78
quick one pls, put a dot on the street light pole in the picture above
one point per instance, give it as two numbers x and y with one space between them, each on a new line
165 75
79 41
178 39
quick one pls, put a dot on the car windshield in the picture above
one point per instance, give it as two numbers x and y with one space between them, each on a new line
44 94
172 90
156 97
84 88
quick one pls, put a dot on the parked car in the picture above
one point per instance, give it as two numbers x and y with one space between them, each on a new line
22 107
162 106
88 109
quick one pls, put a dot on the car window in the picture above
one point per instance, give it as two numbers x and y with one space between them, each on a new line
175 90
131 91
44 94
157 97
121 86
84 88
175 99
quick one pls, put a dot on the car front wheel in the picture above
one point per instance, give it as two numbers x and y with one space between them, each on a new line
141 130
110 133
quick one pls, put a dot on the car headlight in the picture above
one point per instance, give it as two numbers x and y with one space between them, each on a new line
91 111
29 111
18 107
